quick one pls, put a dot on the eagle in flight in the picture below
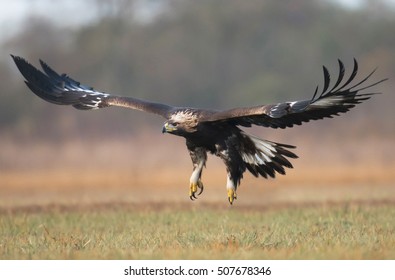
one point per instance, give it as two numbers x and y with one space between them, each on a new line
214 131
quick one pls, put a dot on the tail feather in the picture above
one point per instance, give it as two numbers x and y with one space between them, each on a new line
267 158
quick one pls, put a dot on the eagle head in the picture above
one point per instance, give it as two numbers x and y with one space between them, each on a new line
181 123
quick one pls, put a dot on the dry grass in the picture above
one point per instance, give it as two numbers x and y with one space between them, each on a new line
336 232
113 200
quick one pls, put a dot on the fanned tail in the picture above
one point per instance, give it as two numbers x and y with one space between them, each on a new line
267 158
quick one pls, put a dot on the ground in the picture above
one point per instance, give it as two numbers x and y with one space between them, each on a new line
111 206
343 231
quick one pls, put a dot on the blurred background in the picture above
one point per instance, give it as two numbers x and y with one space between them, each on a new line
211 54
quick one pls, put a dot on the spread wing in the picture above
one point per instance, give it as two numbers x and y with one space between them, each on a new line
63 90
339 99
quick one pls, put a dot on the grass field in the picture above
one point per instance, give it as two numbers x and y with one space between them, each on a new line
105 201
343 231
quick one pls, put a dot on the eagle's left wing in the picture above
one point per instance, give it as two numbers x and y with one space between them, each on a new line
63 90
339 99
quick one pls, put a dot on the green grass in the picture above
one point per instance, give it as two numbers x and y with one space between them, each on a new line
336 232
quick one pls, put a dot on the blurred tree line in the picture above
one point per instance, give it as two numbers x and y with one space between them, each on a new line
212 54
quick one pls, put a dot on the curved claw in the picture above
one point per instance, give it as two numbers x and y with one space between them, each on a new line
200 186
193 189
192 197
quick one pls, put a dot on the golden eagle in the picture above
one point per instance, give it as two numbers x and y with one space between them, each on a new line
217 132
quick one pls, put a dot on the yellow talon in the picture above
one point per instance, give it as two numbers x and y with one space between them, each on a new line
193 188
231 195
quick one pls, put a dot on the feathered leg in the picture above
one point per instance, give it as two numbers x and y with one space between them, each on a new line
199 157
229 153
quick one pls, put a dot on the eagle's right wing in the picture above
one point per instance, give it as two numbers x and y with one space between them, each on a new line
63 90
339 99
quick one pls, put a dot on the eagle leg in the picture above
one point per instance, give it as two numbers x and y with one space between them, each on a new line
199 157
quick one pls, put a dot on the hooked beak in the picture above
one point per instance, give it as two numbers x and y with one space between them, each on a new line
168 128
